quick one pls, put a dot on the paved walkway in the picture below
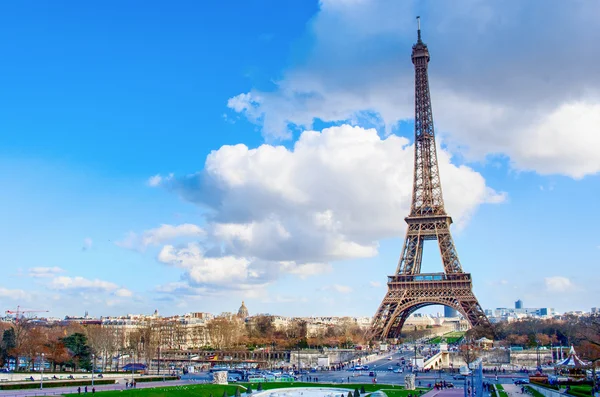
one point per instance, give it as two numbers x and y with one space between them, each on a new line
445 393
512 390
52 391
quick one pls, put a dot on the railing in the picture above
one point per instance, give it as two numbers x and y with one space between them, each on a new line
429 277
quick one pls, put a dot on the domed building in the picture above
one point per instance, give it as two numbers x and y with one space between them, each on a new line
243 311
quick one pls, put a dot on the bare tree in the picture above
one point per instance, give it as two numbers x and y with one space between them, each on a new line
21 328
149 342
56 351
468 351
589 333
225 332
198 335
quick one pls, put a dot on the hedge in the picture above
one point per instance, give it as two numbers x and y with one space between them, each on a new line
36 385
154 378
579 393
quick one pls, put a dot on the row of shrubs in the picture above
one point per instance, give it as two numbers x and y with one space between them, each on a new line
155 378
572 391
566 383
249 390
62 383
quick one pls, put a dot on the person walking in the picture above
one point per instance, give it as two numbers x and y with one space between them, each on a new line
79 390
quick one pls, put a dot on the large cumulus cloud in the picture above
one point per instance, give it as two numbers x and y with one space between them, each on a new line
331 196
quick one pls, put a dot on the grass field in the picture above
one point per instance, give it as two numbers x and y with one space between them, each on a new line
450 337
501 391
208 390
581 390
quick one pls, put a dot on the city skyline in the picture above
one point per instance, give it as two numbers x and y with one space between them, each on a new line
184 158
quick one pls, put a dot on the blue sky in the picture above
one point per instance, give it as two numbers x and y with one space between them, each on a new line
185 157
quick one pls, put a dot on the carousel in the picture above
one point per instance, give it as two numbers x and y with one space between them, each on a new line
572 366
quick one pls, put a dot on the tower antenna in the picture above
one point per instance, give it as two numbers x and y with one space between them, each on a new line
419 28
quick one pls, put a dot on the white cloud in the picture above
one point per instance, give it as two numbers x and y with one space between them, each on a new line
44 272
123 293
87 244
331 197
284 299
549 146
375 284
168 232
342 289
274 211
558 284
202 270
495 90
13 294
157 179
227 272
160 235
65 283
305 270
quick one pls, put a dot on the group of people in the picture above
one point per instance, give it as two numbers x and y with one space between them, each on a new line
85 390
131 384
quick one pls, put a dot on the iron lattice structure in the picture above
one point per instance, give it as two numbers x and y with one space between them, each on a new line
409 289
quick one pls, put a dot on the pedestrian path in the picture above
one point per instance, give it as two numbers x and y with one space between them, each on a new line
445 393
52 391
512 390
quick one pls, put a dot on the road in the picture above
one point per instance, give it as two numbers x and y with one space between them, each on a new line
379 366
384 375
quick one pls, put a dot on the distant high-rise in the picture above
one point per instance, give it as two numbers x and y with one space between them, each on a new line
519 304
450 312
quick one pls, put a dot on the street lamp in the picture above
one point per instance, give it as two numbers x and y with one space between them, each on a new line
537 351
42 376
93 367
132 366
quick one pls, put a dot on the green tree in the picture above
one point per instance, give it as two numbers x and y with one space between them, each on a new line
362 389
8 343
259 387
79 349
356 393
237 392
249 389
350 394
225 393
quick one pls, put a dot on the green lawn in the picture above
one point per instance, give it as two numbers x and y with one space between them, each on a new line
208 390
450 337
390 390
581 390
501 391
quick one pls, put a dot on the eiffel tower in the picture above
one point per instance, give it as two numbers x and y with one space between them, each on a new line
409 289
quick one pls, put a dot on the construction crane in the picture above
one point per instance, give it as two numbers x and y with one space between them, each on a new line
19 313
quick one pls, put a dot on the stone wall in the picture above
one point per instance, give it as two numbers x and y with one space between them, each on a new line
309 358
498 357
